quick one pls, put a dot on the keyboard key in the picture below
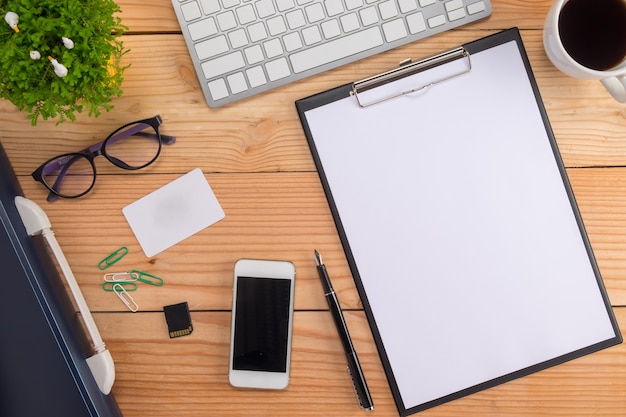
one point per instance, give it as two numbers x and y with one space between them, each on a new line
394 30
453 5
284 5
210 6
218 89
277 69
238 38
336 49
476 7
333 7
254 54
276 25
331 29
237 82
349 22
424 3
257 32
245 14
265 8
273 48
369 16
292 41
230 3
211 47
388 9
407 5
311 35
222 65
416 22
353 4
314 12
295 19
435 21
456 14
256 77
202 28
191 11
226 21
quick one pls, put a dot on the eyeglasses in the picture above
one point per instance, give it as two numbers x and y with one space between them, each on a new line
133 146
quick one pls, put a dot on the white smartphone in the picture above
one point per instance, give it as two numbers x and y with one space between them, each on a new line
261 325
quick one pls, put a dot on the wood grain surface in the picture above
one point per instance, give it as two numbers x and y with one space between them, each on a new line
257 161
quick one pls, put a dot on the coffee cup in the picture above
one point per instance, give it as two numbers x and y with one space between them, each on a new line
587 39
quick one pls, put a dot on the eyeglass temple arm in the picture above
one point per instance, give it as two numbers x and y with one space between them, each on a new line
134 131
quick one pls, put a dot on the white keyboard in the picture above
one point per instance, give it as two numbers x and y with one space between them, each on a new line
243 47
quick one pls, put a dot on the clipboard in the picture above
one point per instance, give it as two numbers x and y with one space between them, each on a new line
458 222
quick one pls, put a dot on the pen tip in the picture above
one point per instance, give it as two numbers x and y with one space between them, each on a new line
318 257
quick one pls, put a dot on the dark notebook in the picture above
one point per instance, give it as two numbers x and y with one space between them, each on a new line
43 371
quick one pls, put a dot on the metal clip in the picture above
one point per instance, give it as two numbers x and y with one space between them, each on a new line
119 277
112 258
408 68
126 298
127 285
146 277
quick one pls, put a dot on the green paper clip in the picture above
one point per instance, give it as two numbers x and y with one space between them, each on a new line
113 258
146 277
128 286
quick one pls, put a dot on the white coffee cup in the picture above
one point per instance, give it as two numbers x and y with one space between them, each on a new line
613 79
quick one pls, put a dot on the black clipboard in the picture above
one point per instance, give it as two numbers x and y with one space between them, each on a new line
458 222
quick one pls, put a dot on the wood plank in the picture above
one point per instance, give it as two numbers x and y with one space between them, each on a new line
264 133
161 377
274 216
159 16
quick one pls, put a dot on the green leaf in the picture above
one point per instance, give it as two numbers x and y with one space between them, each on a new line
96 29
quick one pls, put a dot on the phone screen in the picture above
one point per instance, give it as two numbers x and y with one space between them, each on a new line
261 324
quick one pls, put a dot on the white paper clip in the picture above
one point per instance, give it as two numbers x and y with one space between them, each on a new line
126 298
119 277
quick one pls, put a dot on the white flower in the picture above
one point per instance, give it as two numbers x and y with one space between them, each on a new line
69 44
12 20
59 69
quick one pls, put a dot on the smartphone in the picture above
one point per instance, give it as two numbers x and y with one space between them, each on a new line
261 324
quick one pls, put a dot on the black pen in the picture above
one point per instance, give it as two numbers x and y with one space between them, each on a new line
354 367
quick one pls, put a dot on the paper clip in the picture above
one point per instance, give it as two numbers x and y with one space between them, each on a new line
127 285
119 277
126 298
146 277
113 258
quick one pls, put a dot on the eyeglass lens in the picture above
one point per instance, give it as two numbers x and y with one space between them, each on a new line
69 175
131 147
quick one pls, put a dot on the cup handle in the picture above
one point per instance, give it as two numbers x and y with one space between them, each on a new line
616 86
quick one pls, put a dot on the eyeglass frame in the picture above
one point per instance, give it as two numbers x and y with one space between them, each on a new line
99 149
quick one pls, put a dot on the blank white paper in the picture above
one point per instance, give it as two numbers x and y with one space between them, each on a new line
461 228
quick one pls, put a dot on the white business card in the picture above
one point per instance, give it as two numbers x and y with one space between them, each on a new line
173 213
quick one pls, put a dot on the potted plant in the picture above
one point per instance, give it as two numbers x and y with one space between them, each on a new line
58 58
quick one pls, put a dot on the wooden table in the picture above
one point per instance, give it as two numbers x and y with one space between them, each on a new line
255 157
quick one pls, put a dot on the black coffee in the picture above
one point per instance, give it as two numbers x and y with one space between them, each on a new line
593 32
